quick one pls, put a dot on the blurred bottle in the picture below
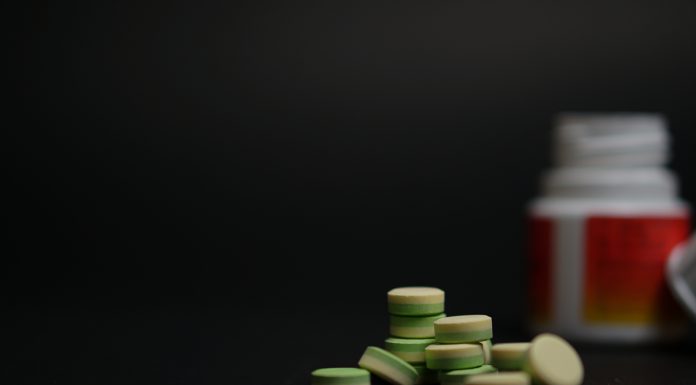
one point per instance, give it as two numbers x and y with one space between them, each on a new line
601 232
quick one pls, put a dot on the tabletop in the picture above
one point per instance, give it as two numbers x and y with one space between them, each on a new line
211 346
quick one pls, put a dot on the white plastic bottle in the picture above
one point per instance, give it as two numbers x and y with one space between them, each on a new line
601 232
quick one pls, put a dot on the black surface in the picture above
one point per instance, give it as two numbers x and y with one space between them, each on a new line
176 169
182 346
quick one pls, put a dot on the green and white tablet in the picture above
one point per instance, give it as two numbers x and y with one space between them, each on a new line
388 366
416 301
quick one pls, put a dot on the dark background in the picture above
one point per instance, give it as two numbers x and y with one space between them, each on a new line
192 185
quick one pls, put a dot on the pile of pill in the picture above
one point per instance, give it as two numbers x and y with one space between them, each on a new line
427 347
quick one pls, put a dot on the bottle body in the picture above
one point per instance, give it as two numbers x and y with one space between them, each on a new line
602 230
596 270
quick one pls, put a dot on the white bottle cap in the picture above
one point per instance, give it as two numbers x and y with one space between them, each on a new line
611 140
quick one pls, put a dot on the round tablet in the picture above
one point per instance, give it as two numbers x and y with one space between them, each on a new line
506 378
509 356
340 376
459 377
453 356
413 327
411 350
425 375
416 301
388 366
551 360
486 346
463 328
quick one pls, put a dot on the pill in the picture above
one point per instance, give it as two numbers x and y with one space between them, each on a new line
458 377
453 356
509 356
463 328
340 376
505 378
486 346
425 375
388 366
416 301
551 360
411 350
413 327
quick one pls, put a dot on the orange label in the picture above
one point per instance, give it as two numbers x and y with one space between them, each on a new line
540 268
624 269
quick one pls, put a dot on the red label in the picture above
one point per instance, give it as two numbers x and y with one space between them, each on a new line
540 268
624 268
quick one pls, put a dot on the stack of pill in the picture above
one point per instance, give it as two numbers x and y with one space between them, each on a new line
426 347
412 314
463 348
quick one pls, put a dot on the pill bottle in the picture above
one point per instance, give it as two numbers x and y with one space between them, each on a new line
601 232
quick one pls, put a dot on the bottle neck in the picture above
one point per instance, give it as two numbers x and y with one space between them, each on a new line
610 183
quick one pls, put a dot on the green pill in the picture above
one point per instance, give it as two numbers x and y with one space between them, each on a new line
340 376
463 329
551 360
411 350
416 301
388 366
453 356
413 327
505 378
509 356
486 345
459 377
